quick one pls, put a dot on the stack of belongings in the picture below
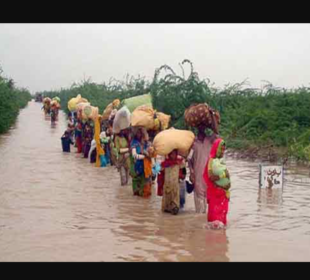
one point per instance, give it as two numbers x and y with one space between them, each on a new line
110 109
87 112
168 140
73 102
47 101
79 109
91 112
121 120
133 102
55 103
202 114
47 105
145 116
57 99
111 117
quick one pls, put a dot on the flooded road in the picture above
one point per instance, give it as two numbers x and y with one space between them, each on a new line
59 207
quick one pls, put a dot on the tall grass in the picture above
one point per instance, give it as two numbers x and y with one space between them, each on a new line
11 100
249 117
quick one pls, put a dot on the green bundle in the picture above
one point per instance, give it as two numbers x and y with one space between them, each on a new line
136 101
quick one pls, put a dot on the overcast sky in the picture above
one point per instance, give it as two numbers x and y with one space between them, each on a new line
49 56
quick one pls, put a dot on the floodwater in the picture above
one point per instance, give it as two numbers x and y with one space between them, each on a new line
59 207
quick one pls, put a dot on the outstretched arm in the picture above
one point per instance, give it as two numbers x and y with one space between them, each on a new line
136 155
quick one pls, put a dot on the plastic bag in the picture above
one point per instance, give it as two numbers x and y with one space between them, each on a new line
156 169
134 102
219 168
121 120
107 111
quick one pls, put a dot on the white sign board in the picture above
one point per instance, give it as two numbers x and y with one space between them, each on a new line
271 176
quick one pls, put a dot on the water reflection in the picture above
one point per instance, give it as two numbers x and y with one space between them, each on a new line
270 198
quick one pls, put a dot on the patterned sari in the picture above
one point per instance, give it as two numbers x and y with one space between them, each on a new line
141 185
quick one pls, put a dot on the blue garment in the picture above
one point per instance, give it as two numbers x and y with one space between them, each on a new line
139 164
103 161
156 169
107 153
182 194
66 141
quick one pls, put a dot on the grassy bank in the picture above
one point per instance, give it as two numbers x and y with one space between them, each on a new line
12 99
269 119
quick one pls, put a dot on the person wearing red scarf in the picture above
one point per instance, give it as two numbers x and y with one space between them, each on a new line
217 196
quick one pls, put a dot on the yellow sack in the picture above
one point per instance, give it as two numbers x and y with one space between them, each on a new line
168 140
80 106
94 113
143 116
73 102
82 100
80 111
46 100
107 111
164 120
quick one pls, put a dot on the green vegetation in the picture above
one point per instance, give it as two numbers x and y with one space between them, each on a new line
100 95
250 118
11 100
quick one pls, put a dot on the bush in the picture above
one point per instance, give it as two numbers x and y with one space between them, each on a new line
11 100
249 117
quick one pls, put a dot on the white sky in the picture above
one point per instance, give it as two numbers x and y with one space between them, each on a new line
49 56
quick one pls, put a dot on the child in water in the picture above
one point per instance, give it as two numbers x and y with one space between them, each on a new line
66 141
171 190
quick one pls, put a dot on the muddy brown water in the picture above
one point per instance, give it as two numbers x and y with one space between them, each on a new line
59 207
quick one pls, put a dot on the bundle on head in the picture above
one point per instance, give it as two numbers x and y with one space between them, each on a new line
73 102
108 110
90 112
47 100
121 120
173 139
148 118
202 114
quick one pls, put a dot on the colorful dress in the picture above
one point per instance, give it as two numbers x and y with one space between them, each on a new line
217 197
123 161
171 190
88 136
141 185
78 137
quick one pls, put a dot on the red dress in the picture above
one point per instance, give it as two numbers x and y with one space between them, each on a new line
216 196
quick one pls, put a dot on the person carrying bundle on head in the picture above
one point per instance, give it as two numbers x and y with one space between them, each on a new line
122 145
141 164
172 166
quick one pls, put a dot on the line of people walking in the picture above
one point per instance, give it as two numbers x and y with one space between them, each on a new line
131 151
